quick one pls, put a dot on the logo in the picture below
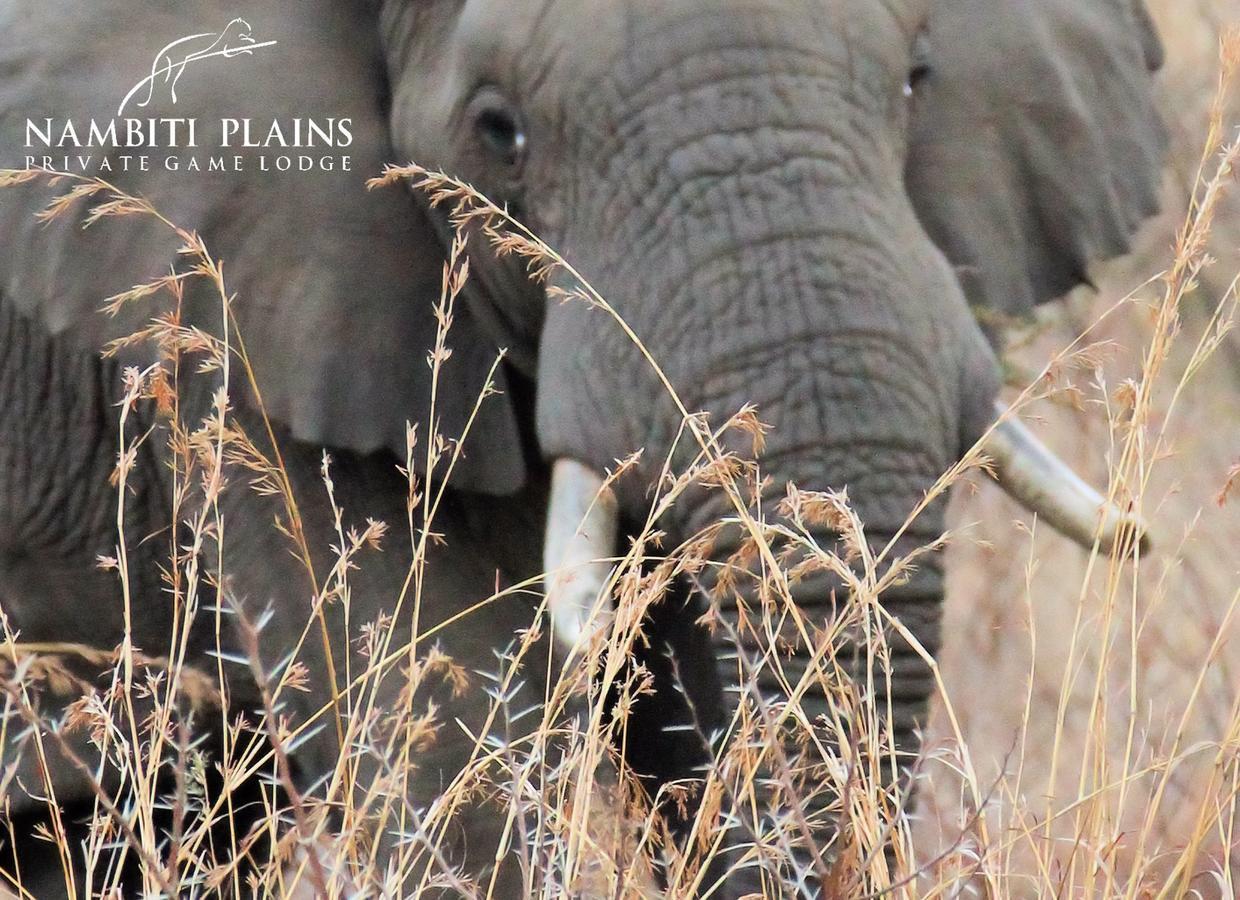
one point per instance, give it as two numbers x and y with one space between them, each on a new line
128 142
237 39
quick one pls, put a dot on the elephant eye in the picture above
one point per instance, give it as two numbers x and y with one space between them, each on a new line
498 127
916 76
920 69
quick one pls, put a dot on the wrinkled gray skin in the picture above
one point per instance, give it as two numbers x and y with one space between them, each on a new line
747 181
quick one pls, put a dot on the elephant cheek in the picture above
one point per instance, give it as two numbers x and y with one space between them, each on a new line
594 401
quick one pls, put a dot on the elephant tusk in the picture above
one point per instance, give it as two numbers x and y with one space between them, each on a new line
582 523
1043 483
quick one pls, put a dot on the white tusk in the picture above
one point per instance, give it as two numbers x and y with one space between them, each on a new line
582 524
329 855
1044 484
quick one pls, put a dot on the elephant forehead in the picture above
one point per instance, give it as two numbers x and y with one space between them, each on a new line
585 37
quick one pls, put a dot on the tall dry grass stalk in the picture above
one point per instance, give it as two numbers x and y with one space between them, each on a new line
576 821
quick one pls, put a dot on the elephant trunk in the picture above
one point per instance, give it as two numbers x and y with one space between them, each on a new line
828 687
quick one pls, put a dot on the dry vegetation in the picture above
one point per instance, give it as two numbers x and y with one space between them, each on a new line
1087 739
1055 663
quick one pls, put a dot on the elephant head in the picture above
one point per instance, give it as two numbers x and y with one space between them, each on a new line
795 203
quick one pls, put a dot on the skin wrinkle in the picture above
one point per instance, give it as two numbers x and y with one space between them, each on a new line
645 193
830 238
765 52
829 291
652 79
695 286
679 158
849 338
674 209
56 403
836 360
632 103
827 301
57 415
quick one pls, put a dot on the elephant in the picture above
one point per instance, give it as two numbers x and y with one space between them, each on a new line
822 208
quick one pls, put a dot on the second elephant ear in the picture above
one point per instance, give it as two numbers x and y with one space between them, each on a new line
1035 145
335 286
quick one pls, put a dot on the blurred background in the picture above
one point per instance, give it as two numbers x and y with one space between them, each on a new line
1146 655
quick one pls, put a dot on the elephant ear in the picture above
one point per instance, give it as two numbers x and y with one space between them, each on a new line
1035 147
335 286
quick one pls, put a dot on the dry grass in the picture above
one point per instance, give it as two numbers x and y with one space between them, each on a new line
1055 662
1107 767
